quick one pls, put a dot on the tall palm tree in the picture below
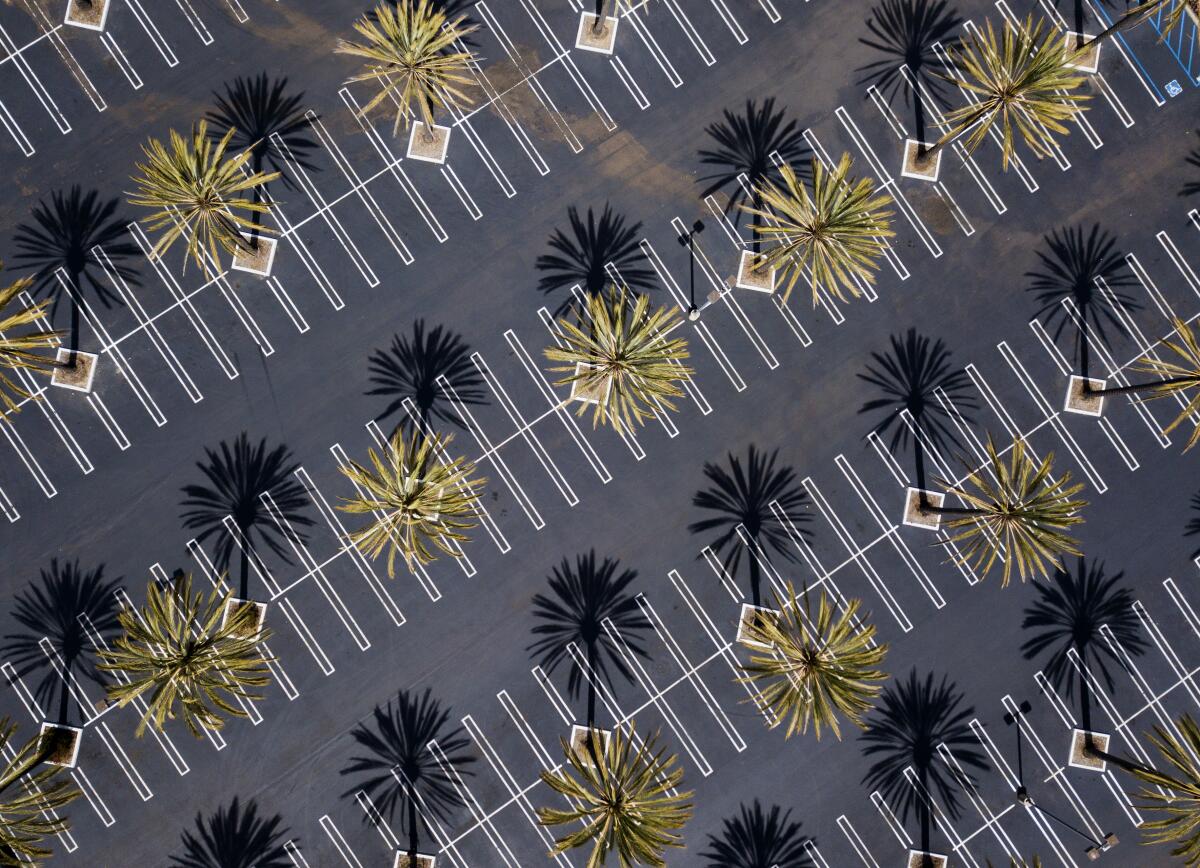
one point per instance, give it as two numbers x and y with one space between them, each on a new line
624 801
409 52
1174 11
755 838
747 495
837 229
745 147
18 352
197 194
1178 811
177 650
1015 512
1022 84
620 355
238 476
818 667
419 500
235 836
26 818
1175 376
582 598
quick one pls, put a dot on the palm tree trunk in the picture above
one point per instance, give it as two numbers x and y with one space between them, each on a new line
1141 387
598 23
428 136
1125 22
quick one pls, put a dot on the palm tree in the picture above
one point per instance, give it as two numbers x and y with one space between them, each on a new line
18 352
27 818
418 499
759 839
177 650
760 498
238 476
1016 510
624 801
196 194
1174 10
837 230
1021 81
817 667
618 356
235 836
1178 811
1176 377
408 51
746 147
583 597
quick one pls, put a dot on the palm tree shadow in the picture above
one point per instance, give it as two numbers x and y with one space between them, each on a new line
410 368
1193 525
913 377
62 234
235 835
582 597
913 718
1072 269
759 839
904 31
580 257
238 475
744 145
67 603
1068 614
743 495
1191 188
400 770
257 109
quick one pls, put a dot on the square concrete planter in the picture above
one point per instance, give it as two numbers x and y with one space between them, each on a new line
78 378
579 742
252 627
89 16
1089 61
420 148
755 279
61 742
746 619
922 859
920 169
257 261
915 516
1081 401
589 393
423 860
588 39
1080 757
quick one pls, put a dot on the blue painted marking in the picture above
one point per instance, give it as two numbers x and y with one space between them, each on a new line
1174 88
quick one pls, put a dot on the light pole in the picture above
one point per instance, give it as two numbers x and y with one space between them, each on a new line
687 240
1025 800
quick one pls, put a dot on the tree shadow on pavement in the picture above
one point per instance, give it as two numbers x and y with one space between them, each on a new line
1191 188
235 836
1193 525
257 109
410 368
761 498
755 838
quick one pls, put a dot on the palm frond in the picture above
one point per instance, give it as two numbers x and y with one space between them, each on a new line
28 815
837 230
1178 375
19 351
1178 810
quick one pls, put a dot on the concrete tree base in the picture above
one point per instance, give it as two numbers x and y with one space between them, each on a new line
589 393
580 745
588 39
755 279
1089 61
421 148
78 378
1080 757
423 860
746 619
923 859
62 742
1084 401
89 18
918 167
254 625
257 261
915 515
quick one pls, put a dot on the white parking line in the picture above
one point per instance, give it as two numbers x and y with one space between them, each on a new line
35 84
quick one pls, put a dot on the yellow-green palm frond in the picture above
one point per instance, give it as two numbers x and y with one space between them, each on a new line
420 500
1178 375
1014 512
19 345
619 356
177 650
198 194
409 51
1173 12
1022 85
1178 811
817 668
838 229
29 801
624 801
